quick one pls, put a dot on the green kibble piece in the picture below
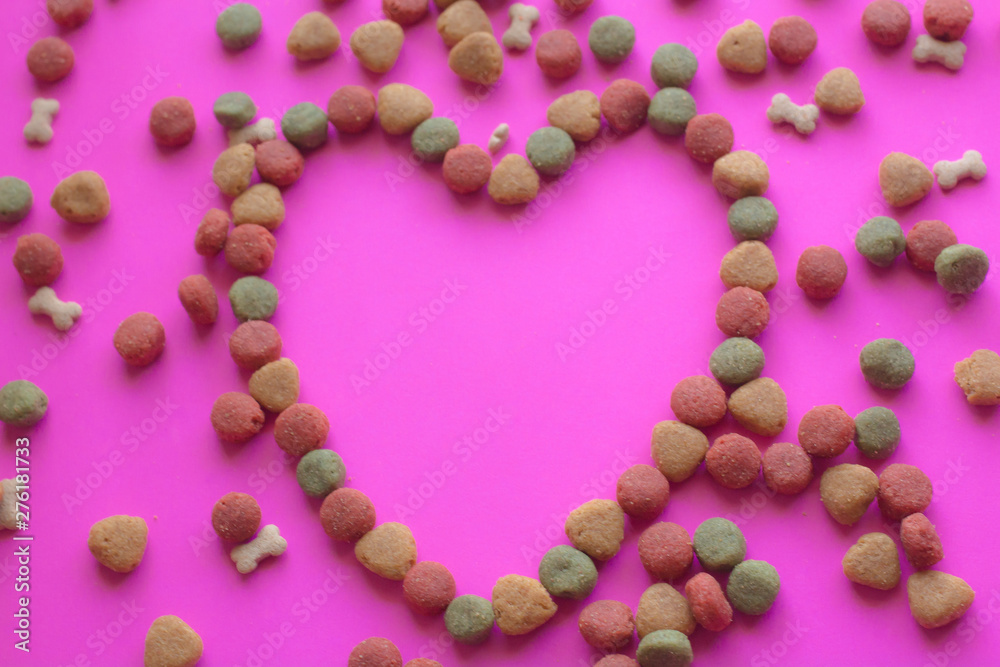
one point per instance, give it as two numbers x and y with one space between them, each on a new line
670 110
611 39
238 26
15 199
567 573
305 126
664 648
253 298
433 138
674 66
880 240
320 473
234 110
961 268
469 619
22 403
737 361
752 219
550 150
876 432
886 363
753 586
719 544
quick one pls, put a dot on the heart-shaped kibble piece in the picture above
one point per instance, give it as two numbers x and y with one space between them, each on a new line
937 598
904 179
521 604
171 642
118 542
662 607
376 45
388 550
477 58
597 528
846 491
873 561
513 181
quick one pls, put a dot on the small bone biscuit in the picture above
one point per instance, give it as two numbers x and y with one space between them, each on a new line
930 50
268 542
257 133
522 19
64 314
499 137
39 128
783 110
970 166
8 504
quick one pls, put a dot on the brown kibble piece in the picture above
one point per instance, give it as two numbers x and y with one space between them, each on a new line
401 108
171 642
347 515
388 550
50 59
873 561
404 12
597 528
210 238
760 406
937 599
514 181
921 543
313 37
904 179
839 92
743 49
81 197
846 491
979 377
69 14
275 385
698 401
236 517
521 604
351 109
199 299
742 312
678 449
740 174
661 607
377 44
233 169
558 54
577 113
477 58
119 542
749 264
429 587
821 272
260 205
461 20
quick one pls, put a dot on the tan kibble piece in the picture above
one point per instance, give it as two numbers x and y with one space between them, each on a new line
388 550
268 543
171 642
662 607
937 598
313 37
401 108
950 172
749 264
839 92
979 377
904 179
377 44
513 181
597 528
760 406
678 449
521 604
253 134
522 19
64 314
260 204
477 58
118 542
577 113
82 197
275 385
39 129
233 169
461 20
846 491
873 561
740 174
743 49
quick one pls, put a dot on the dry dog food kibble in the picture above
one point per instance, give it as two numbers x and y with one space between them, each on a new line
743 49
880 241
642 492
802 117
664 648
199 299
665 550
550 150
64 314
904 179
275 385
979 377
597 528
733 461
961 268
821 272
826 431
886 22
433 138
236 417
15 199
873 561
709 605
719 544
238 26
671 110
920 540
236 517
558 54
926 240
577 113
422 662
708 137
616 661
736 361
886 363
569 6
171 122
39 128
351 109
742 312
937 598
521 604
404 12
567 573
22 403
698 401
740 174
254 344
611 39
279 162
69 14
947 20
260 205
313 37
233 169
118 542
234 110
760 406
514 181
839 92
466 169
460 20
846 491
253 134
469 619
50 59
375 652
876 432
170 642
347 515
673 66
210 238
268 542
787 468
792 39
320 473
753 587
140 339
387 550
477 58
81 197
250 249
752 219
401 108
903 490
661 607
300 428
305 126
607 625
253 298
38 259
428 587
625 105
522 19
376 45
678 449
749 264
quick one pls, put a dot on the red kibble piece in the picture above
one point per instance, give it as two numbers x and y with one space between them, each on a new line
428 587
301 428
347 514
37 259
573 6
698 401
404 12
254 344
826 431
903 490
199 299
250 249
665 550
423 662
171 122
947 20
466 168
788 469
140 339
375 652
742 312
607 625
351 109
643 492
886 22
616 661
210 238
709 605
708 137
236 517
236 417
792 39
279 162
920 541
733 461
925 242
821 272
50 59
558 54
625 104
70 14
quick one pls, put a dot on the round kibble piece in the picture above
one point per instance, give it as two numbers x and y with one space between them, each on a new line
433 138
250 249
477 58
550 150
597 528
375 652
377 44
625 105
664 648
698 401
886 363
903 490
423 662
643 492
678 449
880 240
947 20
313 37
979 377
401 108
170 642
920 540
926 240
236 417
566 572
709 605
876 432
611 39
740 174
279 162
742 312
673 66
351 109
670 111
719 544
886 22
904 179
753 586
260 205
466 169
387 550
305 126
253 298
300 428
665 550
749 264
254 344
661 607
577 113
846 491
961 268
233 169
826 431
275 385
171 122
320 473
210 238
607 625
37 259
347 515
199 299
788 469
743 49
461 19
736 361
616 661
81 197
69 14
514 181
50 59
792 39
429 587
238 26
937 598
404 12
873 561
733 461
22 403
760 406
752 219
708 137
839 92
236 517
821 272
15 199
569 6
118 542
234 110
140 339
469 619
521 604
558 54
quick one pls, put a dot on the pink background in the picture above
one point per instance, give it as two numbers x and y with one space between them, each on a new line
570 424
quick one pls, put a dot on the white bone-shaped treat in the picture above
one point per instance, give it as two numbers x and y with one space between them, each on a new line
499 137
970 166
64 314
268 542
930 50
39 128
522 19
257 133
783 110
